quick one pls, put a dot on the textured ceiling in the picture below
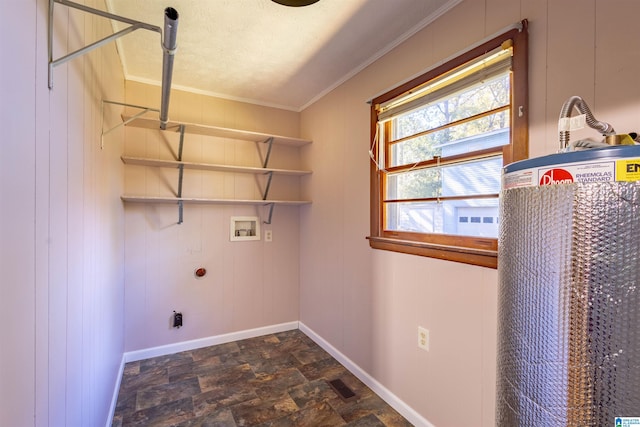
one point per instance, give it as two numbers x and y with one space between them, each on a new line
265 53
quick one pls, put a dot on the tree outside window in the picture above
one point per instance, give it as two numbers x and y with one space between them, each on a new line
440 142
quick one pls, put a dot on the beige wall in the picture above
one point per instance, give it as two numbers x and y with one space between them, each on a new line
369 303
61 269
249 284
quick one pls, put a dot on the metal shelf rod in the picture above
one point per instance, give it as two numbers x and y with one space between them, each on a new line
168 44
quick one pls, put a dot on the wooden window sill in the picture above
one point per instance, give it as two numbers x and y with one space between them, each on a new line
480 257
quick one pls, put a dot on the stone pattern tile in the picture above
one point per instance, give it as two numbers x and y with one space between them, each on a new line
277 380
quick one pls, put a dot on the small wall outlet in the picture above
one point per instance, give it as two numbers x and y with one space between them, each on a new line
268 235
177 319
423 338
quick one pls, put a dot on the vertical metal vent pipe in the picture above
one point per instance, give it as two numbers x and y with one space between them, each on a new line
169 46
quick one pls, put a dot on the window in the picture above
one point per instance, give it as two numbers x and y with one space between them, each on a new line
439 143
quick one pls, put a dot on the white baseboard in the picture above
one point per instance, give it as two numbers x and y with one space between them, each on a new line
114 398
394 401
132 356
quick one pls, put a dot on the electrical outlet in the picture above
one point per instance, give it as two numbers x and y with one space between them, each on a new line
268 235
423 338
177 319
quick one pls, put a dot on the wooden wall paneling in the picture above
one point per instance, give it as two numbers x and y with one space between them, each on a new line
213 184
249 284
469 27
136 250
91 130
284 275
536 12
42 166
617 53
570 62
17 216
58 229
74 227
497 12
228 275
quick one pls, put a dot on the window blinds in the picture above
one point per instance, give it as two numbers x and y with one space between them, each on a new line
484 67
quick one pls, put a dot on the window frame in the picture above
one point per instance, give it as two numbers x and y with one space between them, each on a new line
473 250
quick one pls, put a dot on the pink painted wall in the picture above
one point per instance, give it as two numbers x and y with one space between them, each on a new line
249 284
61 227
65 258
369 303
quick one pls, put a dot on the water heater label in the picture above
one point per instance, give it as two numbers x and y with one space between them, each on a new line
568 173
628 170
556 176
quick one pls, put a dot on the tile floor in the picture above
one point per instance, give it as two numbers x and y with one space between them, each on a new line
276 380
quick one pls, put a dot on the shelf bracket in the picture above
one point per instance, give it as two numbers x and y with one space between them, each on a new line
268 221
269 142
181 167
268 186
181 144
180 174
134 25
167 42
144 111
265 163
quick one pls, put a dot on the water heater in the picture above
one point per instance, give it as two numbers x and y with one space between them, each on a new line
569 290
